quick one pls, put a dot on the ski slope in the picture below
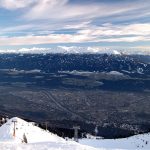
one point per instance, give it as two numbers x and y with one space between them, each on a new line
33 133
137 142
38 139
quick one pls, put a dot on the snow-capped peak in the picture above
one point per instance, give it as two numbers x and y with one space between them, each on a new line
78 50
116 52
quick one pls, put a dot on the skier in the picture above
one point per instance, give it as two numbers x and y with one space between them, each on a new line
24 139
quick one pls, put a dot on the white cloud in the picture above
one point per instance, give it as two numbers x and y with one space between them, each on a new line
64 9
118 30
78 25
64 38
15 28
39 9
59 9
45 18
16 4
125 39
107 33
52 38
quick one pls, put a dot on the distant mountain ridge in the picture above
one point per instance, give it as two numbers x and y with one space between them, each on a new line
80 50
60 87
50 63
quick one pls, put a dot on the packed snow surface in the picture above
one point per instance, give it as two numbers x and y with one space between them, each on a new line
137 142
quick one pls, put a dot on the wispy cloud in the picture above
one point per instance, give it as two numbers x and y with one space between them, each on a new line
52 38
61 21
64 9
118 30
61 9
16 4
79 25
106 33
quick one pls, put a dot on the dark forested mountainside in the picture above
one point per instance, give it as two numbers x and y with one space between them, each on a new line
108 91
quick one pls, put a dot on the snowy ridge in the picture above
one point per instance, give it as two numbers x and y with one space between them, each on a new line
79 50
37 138
22 127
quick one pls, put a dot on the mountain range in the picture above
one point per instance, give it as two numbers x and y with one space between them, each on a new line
104 90
81 50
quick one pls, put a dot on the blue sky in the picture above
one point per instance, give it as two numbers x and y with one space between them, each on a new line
50 23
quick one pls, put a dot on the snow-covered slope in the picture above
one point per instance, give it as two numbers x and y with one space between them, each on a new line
38 139
33 133
136 142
